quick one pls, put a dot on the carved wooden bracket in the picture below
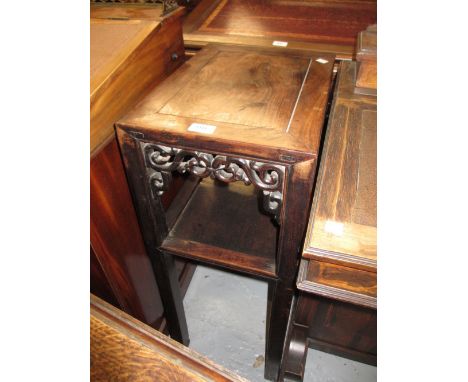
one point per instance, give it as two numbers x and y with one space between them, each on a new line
162 160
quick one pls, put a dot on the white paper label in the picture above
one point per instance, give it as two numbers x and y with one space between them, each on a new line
333 227
280 43
321 60
202 128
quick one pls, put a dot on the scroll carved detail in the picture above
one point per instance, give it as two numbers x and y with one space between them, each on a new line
265 176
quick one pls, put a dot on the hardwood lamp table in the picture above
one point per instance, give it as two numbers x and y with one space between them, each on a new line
243 127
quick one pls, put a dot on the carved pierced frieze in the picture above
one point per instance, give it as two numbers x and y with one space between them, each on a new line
162 160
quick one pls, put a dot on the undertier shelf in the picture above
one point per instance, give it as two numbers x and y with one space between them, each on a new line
223 224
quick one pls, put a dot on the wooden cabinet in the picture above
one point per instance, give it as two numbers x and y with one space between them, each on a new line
124 349
243 128
329 26
337 280
129 56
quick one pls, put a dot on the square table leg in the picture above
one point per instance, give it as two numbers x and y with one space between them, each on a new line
152 221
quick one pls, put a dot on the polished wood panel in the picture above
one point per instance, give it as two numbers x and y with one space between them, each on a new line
116 238
343 223
287 128
99 284
152 12
320 26
128 57
338 282
125 349
366 56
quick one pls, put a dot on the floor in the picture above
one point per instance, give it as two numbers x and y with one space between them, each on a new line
226 320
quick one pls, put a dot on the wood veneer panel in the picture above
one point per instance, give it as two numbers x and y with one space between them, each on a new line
116 238
268 99
257 100
125 349
343 326
126 11
128 58
366 56
334 22
343 222
320 26
120 268
99 285
338 282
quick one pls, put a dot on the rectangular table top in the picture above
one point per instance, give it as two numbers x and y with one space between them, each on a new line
261 103
343 221
340 248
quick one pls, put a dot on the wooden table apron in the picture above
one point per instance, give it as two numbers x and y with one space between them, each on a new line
144 140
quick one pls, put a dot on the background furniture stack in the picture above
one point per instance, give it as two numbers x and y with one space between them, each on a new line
132 50
337 281
326 26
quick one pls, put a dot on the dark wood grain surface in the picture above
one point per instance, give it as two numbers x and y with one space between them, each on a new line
343 221
321 26
124 349
337 280
218 232
366 56
116 238
345 329
261 98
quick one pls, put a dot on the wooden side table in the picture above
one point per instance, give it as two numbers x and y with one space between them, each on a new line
244 127
337 280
